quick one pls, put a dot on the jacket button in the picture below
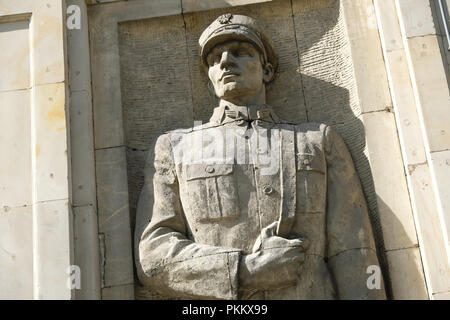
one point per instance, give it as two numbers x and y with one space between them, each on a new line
306 162
209 169
267 189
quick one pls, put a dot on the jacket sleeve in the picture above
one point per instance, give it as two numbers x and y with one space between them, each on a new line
170 263
351 248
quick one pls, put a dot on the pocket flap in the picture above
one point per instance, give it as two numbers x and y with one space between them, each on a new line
197 171
310 162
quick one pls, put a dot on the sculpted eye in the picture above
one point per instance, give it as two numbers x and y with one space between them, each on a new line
242 52
216 58
213 59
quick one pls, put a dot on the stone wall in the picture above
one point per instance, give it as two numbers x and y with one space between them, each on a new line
79 109
324 75
36 246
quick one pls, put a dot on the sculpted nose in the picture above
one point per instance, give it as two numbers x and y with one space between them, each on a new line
226 59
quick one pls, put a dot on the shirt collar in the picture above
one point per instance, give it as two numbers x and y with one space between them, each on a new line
229 113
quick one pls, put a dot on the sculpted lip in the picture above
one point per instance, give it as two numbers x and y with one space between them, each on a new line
229 73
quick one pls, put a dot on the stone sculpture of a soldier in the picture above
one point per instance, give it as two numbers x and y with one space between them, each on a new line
249 206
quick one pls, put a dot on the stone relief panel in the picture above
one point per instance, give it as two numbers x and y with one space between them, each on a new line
163 86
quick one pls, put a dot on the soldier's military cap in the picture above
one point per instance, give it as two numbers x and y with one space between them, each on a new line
239 27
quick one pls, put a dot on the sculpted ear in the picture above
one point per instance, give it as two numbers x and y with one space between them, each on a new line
268 73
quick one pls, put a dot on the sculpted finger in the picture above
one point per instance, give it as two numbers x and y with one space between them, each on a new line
269 231
258 244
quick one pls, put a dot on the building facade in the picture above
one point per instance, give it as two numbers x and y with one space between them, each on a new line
87 86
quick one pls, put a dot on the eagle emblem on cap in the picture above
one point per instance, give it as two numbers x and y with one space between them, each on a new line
225 18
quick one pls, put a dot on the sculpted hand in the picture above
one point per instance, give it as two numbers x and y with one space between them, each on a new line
274 262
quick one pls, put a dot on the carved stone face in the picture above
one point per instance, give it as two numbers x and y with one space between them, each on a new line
235 70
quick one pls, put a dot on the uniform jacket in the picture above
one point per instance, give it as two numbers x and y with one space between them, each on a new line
206 214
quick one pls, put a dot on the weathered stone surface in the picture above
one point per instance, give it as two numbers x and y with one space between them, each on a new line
16 252
437 15
15 56
417 18
52 244
86 252
432 90
113 215
388 25
108 130
405 108
429 228
15 146
365 46
49 61
442 296
123 292
352 283
154 100
406 274
104 40
394 206
48 56
35 54
82 155
51 143
325 62
78 48
441 171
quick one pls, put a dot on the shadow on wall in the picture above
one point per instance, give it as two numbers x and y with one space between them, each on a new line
314 83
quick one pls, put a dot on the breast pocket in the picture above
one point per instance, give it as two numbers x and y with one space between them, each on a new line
311 183
212 192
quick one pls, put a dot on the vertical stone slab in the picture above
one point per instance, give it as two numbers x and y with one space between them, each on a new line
16 253
423 200
393 199
86 251
84 201
156 91
104 25
51 159
431 93
52 245
382 146
416 17
105 80
16 238
113 216
14 58
432 243
36 89
440 163
15 146
369 70
432 90
408 122
82 150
